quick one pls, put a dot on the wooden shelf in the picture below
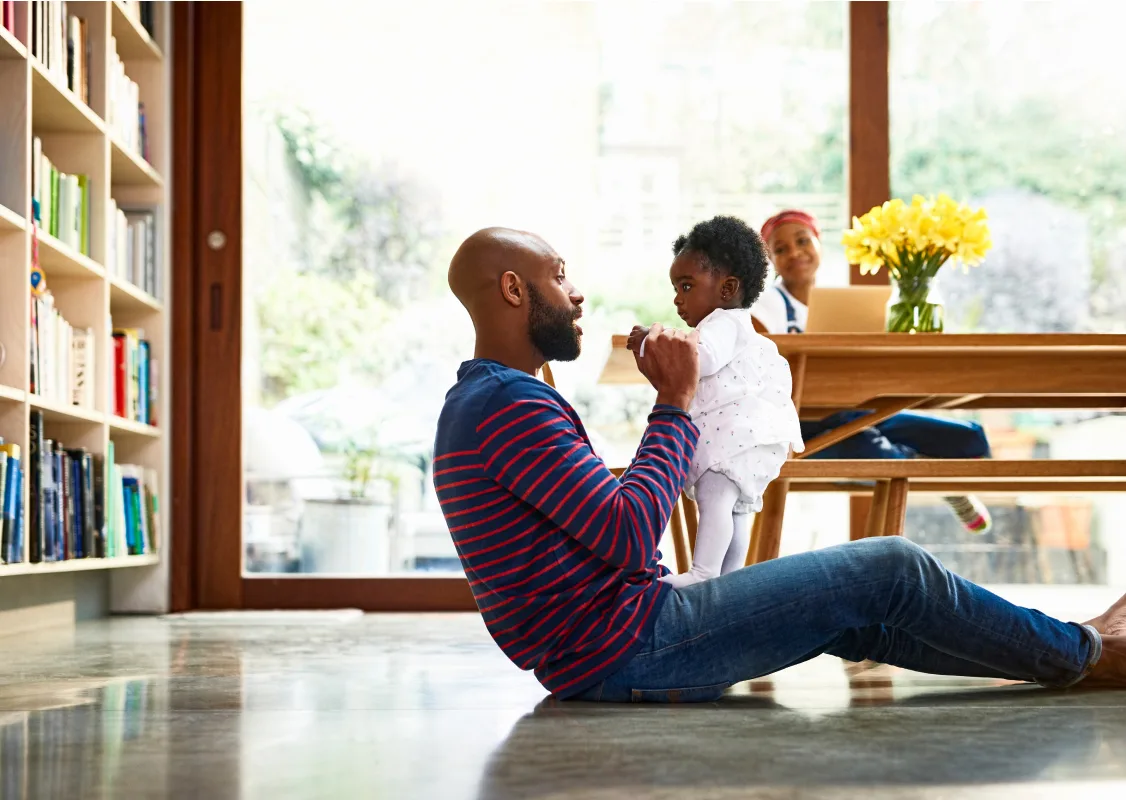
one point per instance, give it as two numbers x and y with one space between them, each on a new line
59 260
124 296
129 427
55 109
129 169
10 47
77 138
133 41
11 221
80 565
63 412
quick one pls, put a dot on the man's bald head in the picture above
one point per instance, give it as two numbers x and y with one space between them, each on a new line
514 287
482 260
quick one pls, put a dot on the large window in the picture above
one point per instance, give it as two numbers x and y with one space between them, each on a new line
1018 107
373 147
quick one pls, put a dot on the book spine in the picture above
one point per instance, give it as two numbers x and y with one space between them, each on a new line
112 550
9 548
36 530
18 536
89 515
68 506
119 375
47 501
3 508
98 466
77 496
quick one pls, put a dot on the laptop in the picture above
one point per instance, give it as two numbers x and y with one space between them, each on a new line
853 309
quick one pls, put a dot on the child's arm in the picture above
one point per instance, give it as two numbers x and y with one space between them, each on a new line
719 338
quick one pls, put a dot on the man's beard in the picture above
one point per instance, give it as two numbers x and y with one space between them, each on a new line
552 329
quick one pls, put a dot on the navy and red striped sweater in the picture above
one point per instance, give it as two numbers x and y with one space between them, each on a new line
561 556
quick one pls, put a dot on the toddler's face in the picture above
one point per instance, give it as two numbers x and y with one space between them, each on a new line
699 289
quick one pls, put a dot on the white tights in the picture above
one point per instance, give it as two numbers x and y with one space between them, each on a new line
723 535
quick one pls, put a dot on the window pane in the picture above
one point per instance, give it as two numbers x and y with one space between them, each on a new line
1017 107
372 149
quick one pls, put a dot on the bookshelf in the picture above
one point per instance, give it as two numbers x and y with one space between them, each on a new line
84 132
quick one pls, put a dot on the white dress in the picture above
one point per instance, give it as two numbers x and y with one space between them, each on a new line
743 407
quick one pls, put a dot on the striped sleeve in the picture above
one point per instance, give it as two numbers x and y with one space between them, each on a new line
531 445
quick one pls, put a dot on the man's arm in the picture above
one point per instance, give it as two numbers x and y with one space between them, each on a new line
530 445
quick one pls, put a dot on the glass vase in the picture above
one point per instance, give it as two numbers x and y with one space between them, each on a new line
915 307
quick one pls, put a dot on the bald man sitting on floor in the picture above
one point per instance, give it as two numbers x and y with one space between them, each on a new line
562 557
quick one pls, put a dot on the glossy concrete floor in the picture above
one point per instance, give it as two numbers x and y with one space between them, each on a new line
426 707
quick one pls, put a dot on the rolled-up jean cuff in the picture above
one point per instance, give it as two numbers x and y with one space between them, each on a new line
1096 640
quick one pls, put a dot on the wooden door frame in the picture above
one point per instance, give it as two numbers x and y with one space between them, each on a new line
207 301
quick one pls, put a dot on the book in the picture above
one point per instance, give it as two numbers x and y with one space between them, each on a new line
37 539
3 508
47 501
11 504
83 367
18 536
98 470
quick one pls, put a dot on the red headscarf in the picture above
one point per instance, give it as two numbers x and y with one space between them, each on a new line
787 216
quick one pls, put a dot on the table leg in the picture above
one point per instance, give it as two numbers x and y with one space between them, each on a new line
878 514
897 507
680 539
773 511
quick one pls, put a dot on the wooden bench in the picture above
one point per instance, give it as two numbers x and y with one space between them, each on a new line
890 481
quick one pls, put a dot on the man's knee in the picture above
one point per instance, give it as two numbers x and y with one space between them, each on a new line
897 554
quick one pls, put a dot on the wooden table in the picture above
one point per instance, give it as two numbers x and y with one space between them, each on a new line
887 373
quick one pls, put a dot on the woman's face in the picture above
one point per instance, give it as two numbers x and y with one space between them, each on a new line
796 253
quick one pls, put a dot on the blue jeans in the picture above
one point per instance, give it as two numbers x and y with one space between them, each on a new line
902 436
884 599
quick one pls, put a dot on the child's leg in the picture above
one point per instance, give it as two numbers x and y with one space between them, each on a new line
736 557
716 496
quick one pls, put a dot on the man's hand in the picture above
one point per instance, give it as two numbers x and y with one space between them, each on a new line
636 337
671 364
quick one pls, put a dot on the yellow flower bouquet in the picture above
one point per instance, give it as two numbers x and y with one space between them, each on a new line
913 241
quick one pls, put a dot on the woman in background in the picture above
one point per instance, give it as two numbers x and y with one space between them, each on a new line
793 240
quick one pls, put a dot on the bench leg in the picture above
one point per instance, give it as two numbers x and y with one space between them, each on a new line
773 510
878 514
680 537
897 507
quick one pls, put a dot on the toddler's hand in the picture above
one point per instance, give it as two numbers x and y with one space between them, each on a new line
636 337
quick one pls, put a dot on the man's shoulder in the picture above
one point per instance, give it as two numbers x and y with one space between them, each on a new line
486 388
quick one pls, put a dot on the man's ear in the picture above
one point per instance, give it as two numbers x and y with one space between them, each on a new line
512 289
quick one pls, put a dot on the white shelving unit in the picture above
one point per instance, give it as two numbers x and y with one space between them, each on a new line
80 142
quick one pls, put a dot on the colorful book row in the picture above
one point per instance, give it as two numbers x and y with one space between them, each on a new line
60 203
134 376
88 506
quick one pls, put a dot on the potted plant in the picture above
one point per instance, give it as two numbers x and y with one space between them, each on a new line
350 533
913 241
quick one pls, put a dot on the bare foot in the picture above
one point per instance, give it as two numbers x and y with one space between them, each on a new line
1110 671
1111 622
